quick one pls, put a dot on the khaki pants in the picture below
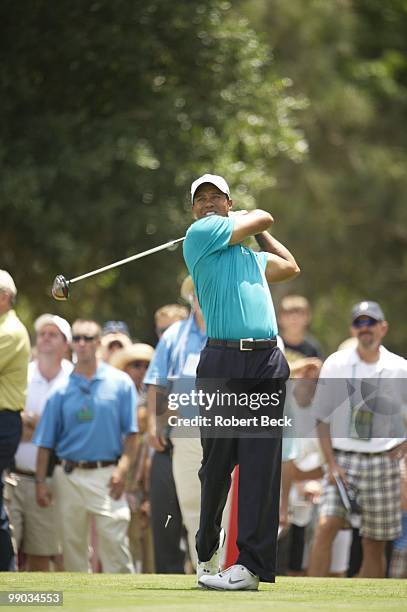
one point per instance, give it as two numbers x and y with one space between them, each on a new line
186 462
34 528
80 495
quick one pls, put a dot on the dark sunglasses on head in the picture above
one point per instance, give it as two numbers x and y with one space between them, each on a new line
138 364
365 322
79 337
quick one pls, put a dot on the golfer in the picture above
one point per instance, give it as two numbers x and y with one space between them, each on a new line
231 282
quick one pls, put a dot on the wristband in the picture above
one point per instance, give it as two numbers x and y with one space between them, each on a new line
40 480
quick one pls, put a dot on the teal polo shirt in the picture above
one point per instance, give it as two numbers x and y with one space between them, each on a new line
230 282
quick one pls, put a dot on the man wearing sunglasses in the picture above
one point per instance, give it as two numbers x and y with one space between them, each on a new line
90 423
352 427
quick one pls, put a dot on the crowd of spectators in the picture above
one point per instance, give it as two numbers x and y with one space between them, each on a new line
92 478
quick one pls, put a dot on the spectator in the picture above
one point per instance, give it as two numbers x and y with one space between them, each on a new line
138 497
294 319
115 336
14 357
398 564
367 463
134 360
174 367
167 315
35 527
90 423
168 554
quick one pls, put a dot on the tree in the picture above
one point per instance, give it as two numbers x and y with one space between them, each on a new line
109 110
343 210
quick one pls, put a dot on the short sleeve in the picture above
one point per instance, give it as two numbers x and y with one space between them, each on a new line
261 258
205 237
159 366
47 431
128 408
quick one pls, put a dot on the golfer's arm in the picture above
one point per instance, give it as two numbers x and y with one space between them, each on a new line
42 463
281 264
249 224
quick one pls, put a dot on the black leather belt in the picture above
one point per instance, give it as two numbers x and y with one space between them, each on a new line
245 344
69 465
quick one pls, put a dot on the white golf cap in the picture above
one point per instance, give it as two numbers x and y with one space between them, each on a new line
7 283
59 322
216 180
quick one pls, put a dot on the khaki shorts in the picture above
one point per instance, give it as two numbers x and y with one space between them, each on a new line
376 480
34 528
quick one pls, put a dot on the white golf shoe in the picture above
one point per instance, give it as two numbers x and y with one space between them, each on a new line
235 578
211 567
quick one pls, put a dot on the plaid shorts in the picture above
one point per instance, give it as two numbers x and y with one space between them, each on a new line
375 479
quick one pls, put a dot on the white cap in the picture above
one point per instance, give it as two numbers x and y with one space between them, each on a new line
7 283
59 322
216 180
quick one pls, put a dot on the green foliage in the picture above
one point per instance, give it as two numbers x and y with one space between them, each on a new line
343 212
109 110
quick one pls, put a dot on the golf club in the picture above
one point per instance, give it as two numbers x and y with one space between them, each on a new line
61 285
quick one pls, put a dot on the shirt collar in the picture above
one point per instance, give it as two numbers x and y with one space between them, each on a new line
98 375
355 358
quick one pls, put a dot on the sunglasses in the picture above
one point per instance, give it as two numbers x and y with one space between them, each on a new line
138 364
365 322
79 337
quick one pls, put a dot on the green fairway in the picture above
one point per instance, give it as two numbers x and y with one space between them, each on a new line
179 593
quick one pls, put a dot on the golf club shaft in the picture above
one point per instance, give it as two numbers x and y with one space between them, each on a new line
131 258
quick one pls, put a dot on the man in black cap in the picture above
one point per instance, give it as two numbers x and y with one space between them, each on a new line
366 462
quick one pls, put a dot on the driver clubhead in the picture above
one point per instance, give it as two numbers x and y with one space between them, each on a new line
60 288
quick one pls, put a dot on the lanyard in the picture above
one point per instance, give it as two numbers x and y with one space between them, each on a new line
361 416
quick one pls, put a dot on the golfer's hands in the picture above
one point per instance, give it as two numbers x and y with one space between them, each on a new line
116 484
43 494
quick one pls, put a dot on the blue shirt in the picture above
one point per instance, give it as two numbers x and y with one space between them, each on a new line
175 360
230 282
179 347
87 420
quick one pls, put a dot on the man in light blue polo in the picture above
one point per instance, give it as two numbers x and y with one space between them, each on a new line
231 283
173 371
90 424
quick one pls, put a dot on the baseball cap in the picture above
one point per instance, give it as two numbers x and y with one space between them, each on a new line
369 309
59 322
115 327
7 283
216 180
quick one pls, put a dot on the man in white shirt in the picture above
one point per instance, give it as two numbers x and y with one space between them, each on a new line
35 527
353 414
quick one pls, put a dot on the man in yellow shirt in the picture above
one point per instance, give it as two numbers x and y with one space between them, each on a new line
14 358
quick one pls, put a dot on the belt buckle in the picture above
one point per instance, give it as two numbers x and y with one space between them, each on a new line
245 340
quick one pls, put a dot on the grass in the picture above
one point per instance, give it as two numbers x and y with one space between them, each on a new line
144 592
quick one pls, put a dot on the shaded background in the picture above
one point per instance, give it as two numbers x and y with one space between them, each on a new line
110 108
